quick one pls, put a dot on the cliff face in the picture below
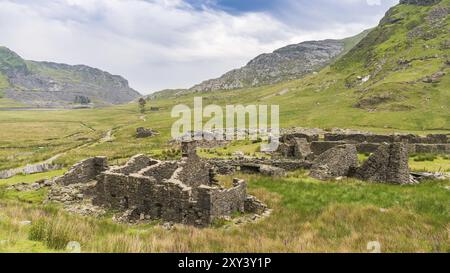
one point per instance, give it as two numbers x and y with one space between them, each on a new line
287 63
49 84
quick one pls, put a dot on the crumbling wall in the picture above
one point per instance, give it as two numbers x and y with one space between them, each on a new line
84 171
113 191
319 147
365 148
194 172
253 205
432 148
161 170
135 164
230 166
389 164
217 203
375 138
302 148
289 138
336 162
170 203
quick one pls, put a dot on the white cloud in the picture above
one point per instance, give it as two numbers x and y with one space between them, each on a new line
154 43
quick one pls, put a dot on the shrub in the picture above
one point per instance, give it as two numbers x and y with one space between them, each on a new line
54 234
425 157
38 231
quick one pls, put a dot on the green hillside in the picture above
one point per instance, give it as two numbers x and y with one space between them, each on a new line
396 78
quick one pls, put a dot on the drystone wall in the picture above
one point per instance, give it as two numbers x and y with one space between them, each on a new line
389 164
373 138
84 171
336 162
230 166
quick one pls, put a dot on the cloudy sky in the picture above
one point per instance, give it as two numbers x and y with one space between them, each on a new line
158 44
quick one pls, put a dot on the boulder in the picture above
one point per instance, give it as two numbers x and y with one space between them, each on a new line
336 162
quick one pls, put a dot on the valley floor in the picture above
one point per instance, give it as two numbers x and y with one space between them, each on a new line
308 215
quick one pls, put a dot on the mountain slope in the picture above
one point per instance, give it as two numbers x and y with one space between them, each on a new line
52 85
405 58
396 78
287 63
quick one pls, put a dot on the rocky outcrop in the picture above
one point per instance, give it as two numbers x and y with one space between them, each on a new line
47 84
336 162
287 63
389 164
420 2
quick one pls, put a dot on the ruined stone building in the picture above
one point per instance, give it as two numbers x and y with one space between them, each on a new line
183 191
310 145
335 154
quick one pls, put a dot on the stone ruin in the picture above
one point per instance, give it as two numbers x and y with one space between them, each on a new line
336 162
183 191
334 154
304 144
388 164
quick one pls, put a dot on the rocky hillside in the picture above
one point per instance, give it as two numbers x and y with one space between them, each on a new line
403 62
47 84
287 63
396 77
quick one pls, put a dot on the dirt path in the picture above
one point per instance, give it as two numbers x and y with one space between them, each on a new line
108 137
48 164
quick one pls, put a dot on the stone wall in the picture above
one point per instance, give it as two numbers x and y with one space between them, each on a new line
135 164
412 148
84 171
290 137
319 147
218 203
229 166
431 148
373 138
336 162
195 172
389 164
161 170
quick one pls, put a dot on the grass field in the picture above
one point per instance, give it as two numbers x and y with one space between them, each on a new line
308 216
